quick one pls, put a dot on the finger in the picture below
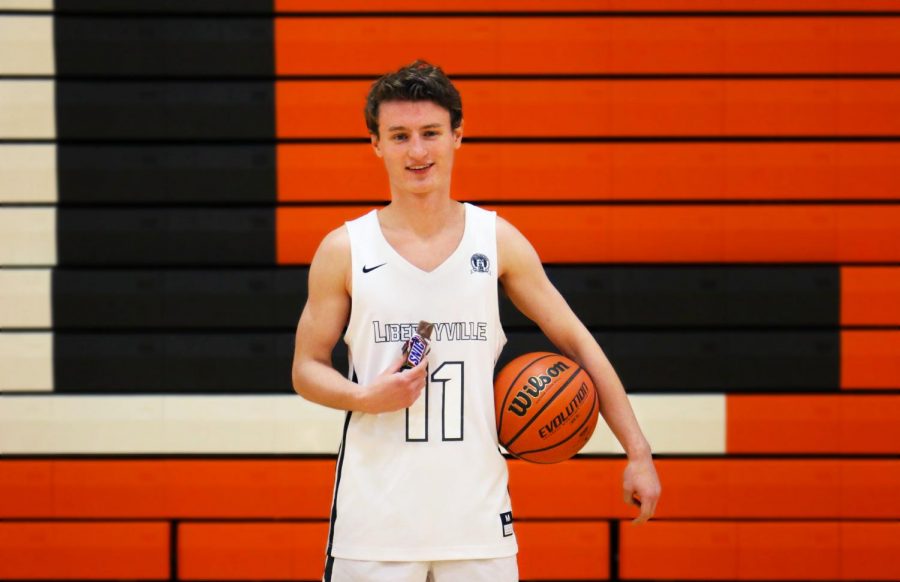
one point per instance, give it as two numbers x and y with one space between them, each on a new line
645 515
396 364
648 508
635 500
652 505
418 371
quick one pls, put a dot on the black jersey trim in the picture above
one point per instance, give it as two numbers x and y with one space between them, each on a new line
337 484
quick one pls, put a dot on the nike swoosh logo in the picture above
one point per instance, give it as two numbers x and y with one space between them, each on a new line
369 269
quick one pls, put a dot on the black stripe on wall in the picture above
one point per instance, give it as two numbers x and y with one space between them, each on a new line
725 361
621 296
180 173
178 299
696 296
148 46
149 236
202 6
149 110
173 363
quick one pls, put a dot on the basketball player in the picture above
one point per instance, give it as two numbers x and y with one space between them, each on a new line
421 488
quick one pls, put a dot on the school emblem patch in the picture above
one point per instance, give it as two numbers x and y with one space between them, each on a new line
480 264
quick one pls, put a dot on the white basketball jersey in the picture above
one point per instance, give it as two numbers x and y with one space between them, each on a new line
426 483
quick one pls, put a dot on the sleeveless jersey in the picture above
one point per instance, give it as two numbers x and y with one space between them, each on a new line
428 482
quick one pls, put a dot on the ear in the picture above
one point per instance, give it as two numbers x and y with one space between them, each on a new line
457 135
376 145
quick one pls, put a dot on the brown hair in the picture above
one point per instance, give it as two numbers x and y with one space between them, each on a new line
418 81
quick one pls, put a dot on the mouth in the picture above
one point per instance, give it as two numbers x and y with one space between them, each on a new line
420 169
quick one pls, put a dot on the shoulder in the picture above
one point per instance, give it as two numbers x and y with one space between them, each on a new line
505 230
513 248
332 260
335 245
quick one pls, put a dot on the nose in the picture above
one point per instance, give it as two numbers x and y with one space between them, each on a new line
417 148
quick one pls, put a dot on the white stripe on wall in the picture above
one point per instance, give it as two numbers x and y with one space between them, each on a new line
26 4
26 362
28 237
27 109
26 45
28 173
686 423
57 424
25 298
167 424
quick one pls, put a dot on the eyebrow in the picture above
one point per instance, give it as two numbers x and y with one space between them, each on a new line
401 127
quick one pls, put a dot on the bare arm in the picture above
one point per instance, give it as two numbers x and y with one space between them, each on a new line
319 329
526 284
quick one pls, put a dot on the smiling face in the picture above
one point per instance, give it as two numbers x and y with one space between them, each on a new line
417 144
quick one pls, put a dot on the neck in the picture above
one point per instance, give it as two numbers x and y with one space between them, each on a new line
424 215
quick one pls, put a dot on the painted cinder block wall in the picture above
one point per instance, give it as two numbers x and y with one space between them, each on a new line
713 185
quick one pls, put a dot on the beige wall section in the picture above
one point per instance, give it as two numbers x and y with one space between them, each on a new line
28 237
685 424
48 424
25 298
26 363
28 173
26 4
277 424
27 109
26 45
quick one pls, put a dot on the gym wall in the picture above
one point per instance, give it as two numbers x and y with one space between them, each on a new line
713 185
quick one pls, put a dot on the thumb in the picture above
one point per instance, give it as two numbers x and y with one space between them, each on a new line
396 363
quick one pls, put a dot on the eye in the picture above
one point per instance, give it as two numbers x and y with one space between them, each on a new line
431 133
398 137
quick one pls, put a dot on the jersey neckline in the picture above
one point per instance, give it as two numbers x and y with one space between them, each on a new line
467 215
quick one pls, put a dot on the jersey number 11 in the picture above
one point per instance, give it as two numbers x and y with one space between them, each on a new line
451 377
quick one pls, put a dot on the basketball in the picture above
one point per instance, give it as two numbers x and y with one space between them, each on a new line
546 407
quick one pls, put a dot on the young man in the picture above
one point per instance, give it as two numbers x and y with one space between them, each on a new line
421 487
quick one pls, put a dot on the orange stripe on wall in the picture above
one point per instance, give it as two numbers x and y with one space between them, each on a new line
870 359
277 551
580 5
561 108
240 551
563 550
840 423
301 489
870 295
760 551
714 488
175 488
870 551
27 489
552 45
563 234
59 551
298 231
618 171
680 550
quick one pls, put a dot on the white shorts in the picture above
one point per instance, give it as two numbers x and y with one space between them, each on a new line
492 570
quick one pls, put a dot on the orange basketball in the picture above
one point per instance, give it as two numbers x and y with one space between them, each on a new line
546 407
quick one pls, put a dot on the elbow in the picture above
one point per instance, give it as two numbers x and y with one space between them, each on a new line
297 380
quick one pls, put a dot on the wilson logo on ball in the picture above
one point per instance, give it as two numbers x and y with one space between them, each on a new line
536 384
